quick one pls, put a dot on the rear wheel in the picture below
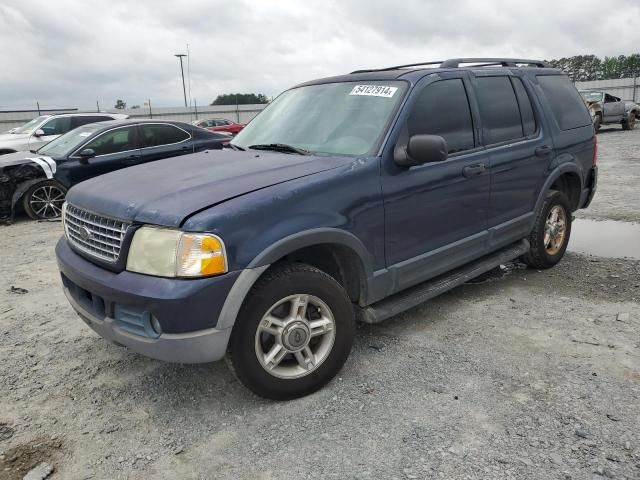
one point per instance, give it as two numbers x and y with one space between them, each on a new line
293 333
44 200
551 233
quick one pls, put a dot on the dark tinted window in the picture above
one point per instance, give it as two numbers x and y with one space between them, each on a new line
156 135
499 108
442 108
526 110
114 141
57 126
566 103
84 120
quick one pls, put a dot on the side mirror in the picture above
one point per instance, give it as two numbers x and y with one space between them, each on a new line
421 149
86 154
38 133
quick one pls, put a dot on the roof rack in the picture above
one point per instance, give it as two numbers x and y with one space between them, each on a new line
455 63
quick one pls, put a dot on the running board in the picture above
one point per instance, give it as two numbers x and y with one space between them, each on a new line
414 296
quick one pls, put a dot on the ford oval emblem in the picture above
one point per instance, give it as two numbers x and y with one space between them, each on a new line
85 233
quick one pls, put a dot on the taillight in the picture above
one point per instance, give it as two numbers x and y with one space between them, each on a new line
595 152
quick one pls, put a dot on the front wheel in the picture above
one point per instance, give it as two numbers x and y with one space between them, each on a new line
44 200
293 333
630 122
551 232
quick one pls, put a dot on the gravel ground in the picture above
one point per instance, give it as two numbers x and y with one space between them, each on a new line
522 374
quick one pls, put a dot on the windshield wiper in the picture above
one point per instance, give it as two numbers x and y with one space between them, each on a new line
280 147
33 151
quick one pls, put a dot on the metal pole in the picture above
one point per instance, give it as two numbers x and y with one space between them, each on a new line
195 104
635 83
150 112
184 88
38 104
97 106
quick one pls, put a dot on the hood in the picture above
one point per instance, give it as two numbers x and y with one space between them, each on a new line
16 158
166 192
11 140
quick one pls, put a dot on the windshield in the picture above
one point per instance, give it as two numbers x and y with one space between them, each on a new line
67 143
336 118
591 96
30 126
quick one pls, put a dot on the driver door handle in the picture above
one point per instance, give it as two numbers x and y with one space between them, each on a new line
473 170
542 151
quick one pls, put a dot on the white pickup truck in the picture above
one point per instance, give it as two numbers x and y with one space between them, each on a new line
606 109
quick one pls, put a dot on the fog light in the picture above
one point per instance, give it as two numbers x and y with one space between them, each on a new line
155 324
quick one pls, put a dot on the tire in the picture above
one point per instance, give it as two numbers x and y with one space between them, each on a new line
629 123
256 336
597 122
43 201
545 252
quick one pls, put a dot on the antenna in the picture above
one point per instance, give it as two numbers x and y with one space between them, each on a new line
191 119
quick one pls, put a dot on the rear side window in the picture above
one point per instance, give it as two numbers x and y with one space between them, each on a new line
159 134
84 120
526 110
567 105
442 108
499 108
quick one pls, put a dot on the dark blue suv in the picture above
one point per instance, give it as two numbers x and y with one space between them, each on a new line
348 198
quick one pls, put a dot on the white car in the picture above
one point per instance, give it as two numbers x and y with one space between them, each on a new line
41 130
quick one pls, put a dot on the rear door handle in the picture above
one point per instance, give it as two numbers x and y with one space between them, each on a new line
473 170
543 151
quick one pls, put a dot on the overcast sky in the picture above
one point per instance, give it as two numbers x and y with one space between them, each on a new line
74 52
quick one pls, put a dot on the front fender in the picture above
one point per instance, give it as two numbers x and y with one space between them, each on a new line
312 237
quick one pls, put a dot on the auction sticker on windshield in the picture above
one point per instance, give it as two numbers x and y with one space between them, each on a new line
374 90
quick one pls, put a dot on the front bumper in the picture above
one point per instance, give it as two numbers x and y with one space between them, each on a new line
124 307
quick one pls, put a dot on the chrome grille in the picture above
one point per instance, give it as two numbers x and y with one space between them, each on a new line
98 236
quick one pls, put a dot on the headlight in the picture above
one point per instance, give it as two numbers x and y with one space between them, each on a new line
172 253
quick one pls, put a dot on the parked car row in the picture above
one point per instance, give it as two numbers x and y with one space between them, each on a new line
220 125
37 180
43 129
607 109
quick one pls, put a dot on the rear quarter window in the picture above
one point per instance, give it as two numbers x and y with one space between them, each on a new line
566 104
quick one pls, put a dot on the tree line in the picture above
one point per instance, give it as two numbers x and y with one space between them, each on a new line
583 68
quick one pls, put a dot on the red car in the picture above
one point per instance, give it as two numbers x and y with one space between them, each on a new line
219 125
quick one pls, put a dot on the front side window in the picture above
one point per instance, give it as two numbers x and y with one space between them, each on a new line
442 108
114 141
158 134
344 118
566 104
57 126
67 143
499 109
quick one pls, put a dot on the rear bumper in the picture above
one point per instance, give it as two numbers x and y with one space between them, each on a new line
589 192
126 308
